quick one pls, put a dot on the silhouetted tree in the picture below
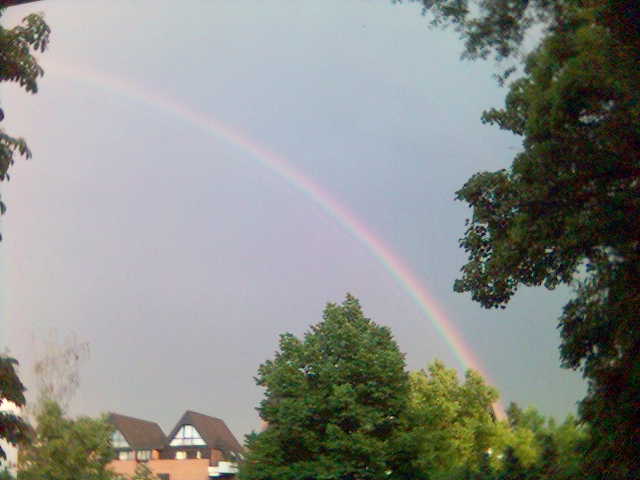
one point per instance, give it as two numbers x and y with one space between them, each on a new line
567 210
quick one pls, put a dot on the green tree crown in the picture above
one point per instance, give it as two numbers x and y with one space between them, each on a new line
333 402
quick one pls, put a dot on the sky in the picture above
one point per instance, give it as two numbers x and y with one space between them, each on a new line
152 223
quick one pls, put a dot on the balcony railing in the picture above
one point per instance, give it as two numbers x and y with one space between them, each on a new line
223 468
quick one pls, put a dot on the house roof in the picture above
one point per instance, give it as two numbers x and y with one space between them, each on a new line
213 431
140 434
10 3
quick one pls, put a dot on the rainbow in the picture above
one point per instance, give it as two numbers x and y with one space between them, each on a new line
208 124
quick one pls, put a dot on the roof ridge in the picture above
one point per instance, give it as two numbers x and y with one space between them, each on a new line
202 414
132 418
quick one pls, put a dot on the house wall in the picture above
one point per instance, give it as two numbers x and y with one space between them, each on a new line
187 469
195 469
169 453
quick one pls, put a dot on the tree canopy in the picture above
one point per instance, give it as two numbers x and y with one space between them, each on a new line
458 436
333 402
66 449
453 424
339 404
567 210
18 64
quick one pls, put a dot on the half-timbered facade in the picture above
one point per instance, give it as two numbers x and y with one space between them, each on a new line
199 447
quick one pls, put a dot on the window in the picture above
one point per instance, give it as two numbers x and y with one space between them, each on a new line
125 455
118 440
143 455
181 455
163 476
187 435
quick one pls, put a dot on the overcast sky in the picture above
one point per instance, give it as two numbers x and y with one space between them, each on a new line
180 258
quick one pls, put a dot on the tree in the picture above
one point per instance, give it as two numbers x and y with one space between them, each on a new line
571 439
567 210
544 448
66 449
57 370
17 64
549 467
513 468
13 428
529 418
333 403
453 424
458 437
59 447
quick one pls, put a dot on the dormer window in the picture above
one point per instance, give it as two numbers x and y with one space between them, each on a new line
118 440
187 435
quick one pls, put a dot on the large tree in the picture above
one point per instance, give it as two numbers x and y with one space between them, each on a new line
333 402
17 64
567 211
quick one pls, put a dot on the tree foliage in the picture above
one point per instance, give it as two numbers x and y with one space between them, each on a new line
532 447
338 404
452 423
458 436
567 210
333 402
66 449
13 428
17 64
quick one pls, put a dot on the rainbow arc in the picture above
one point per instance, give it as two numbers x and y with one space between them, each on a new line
392 262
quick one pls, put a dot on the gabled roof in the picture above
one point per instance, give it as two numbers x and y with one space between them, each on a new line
10 3
140 434
213 431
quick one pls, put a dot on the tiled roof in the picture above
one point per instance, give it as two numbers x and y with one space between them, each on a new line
213 431
140 434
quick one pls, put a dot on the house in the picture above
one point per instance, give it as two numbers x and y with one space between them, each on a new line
199 447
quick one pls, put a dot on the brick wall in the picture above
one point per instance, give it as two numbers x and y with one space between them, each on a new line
191 469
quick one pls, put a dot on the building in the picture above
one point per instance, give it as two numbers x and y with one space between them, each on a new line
199 447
